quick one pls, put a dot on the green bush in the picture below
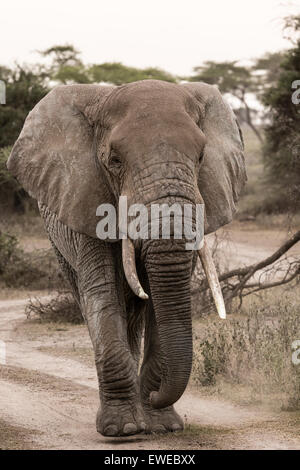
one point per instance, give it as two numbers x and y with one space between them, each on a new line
9 187
8 244
12 195
26 85
35 270
282 144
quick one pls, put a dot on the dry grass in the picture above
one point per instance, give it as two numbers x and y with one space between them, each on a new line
19 225
251 352
10 293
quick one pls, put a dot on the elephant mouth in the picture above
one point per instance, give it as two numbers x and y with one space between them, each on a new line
204 253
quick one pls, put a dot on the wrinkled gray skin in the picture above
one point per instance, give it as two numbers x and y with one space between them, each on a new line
154 142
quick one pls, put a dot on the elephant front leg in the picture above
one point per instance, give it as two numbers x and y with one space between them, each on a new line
158 420
120 412
103 305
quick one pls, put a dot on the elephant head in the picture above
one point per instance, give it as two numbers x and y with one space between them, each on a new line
155 142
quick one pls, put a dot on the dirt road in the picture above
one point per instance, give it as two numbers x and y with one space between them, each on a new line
239 247
49 401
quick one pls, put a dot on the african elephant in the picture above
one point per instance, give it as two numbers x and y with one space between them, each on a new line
84 145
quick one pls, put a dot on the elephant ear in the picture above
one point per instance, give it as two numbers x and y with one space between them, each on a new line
223 173
53 158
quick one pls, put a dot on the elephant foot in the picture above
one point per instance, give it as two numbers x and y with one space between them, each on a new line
123 419
163 420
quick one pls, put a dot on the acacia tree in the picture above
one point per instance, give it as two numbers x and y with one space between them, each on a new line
66 68
62 55
234 79
117 73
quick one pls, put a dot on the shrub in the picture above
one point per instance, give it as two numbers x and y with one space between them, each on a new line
26 85
12 195
253 350
36 270
8 244
62 309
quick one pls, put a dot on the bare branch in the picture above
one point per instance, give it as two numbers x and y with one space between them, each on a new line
267 261
235 282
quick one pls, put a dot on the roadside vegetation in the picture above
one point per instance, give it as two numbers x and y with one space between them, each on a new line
27 270
248 357
61 308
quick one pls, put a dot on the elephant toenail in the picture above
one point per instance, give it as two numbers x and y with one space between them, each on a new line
143 426
176 427
159 428
130 428
111 430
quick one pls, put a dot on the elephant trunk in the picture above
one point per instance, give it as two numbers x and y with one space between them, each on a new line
169 273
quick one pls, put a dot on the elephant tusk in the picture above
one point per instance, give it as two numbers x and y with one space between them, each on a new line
212 278
128 257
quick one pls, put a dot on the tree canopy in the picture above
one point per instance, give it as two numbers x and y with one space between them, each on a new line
26 85
66 68
269 79
282 148
24 88
234 79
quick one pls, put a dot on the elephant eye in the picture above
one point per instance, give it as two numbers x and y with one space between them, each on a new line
114 161
201 156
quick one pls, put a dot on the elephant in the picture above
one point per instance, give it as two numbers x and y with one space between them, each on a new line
153 142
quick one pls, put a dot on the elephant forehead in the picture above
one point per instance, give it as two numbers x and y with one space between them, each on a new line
164 135
148 99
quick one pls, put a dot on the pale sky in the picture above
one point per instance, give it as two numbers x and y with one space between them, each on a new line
172 34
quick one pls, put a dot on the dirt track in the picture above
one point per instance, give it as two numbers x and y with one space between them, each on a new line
50 402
